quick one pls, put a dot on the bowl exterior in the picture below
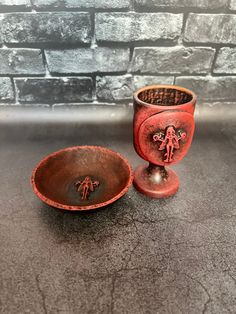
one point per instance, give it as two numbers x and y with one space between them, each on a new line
55 204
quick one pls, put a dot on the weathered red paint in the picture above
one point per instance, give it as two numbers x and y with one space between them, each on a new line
57 179
163 128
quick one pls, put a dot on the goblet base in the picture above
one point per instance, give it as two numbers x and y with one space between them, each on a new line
156 181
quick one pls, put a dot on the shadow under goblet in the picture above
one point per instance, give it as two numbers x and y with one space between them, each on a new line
163 128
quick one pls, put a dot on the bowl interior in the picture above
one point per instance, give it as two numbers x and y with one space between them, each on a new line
164 96
56 177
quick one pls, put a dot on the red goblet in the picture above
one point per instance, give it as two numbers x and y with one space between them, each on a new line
163 129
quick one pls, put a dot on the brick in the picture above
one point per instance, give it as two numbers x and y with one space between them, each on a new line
131 27
211 28
10 3
86 60
172 60
21 61
201 4
6 89
114 88
140 81
54 90
210 88
226 61
98 4
57 27
232 5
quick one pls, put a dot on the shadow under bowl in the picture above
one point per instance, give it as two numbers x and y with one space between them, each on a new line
81 178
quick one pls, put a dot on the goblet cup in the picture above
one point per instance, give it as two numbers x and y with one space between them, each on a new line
163 128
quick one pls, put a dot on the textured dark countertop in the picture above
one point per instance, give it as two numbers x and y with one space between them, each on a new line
138 255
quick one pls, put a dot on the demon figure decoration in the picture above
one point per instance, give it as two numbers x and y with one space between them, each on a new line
85 187
169 141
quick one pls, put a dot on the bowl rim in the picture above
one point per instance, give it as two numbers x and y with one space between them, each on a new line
52 203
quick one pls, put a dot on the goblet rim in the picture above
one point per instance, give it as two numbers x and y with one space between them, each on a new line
165 107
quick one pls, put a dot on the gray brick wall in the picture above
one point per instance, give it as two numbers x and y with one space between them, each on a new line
99 51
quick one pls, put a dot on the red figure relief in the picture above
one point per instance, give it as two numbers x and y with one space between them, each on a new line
85 187
169 141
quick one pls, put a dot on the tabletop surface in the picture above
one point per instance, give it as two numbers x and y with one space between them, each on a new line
138 255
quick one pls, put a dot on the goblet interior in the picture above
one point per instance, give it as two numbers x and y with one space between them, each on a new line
164 96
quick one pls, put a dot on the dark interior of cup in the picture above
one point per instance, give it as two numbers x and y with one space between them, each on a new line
164 96
56 177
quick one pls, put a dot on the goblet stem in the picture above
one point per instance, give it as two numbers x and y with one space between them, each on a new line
156 174
156 181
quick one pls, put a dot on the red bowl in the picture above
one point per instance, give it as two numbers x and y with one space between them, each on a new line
81 178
